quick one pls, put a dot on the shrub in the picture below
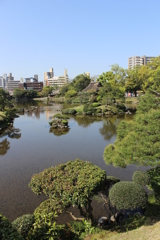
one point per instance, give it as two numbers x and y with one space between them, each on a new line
58 115
23 224
127 195
89 113
95 104
72 111
154 184
141 178
65 111
7 231
99 110
65 122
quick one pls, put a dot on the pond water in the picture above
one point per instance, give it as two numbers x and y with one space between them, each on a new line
35 148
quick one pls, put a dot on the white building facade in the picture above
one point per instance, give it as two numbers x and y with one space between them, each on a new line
51 80
138 61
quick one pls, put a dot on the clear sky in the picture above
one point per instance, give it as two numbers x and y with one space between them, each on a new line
79 35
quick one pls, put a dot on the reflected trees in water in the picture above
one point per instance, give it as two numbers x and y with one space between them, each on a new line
4 146
59 131
109 127
11 132
85 121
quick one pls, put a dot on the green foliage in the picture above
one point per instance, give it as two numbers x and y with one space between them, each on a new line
133 81
96 104
138 141
127 195
5 100
23 224
72 111
154 184
64 89
60 116
82 229
89 109
73 183
45 228
80 82
147 102
21 93
106 77
70 93
109 94
46 91
140 178
7 231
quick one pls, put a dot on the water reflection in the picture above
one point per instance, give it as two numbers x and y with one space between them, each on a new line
59 131
11 132
85 121
4 146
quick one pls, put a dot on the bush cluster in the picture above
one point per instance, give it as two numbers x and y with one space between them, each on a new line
141 178
127 195
23 224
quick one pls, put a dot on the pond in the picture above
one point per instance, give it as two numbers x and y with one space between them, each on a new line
33 148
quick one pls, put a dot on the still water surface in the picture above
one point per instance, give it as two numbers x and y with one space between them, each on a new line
37 148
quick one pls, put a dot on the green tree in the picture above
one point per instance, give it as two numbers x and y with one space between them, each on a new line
73 183
80 82
110 93
138 141
19 93
64 89
46 91
106 77
5 100
133 81
70 93
119 75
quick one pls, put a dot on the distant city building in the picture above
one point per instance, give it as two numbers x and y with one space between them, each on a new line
51 80
138 61
31 79
31 84
38 86
9 84
2 82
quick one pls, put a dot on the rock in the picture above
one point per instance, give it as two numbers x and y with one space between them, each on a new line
103 221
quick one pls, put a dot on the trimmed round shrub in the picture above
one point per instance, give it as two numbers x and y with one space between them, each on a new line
141 178
127 195
72 111
23 224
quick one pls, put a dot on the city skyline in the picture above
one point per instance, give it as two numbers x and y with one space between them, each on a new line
80 36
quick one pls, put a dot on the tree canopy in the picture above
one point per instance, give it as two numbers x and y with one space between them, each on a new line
138 141
73 183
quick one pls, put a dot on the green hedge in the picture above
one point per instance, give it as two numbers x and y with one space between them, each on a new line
7 231
127 195
141 178
23 224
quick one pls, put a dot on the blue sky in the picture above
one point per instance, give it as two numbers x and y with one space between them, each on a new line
79 35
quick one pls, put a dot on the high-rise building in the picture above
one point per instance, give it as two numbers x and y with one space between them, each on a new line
51 80
138 61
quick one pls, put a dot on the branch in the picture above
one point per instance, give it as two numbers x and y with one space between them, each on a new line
75 218
158 94
105 200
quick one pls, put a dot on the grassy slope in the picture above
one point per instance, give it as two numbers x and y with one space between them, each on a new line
143 233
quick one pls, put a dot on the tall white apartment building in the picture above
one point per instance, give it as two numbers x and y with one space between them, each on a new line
138 61
51 80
